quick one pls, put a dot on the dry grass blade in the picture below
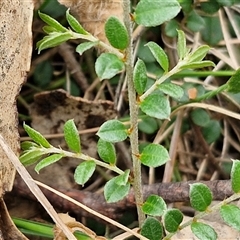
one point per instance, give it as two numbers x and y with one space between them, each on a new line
34 188
130 231
209 107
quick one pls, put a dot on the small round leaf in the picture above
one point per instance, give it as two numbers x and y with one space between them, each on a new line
123 179
171 89
172 220
113 191
154 205
200 117
152 229
113 131
156 105
116 33
212 131
203 231
148 125
84 171
106 151
231 215
153 13
195 22
200 196
154 155
108 65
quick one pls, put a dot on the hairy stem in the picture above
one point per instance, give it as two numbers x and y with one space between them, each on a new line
133 107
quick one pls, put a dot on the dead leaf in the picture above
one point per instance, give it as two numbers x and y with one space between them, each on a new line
49 113
74 226
15 51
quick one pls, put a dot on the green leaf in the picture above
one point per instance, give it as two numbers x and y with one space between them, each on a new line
203 231
154 206
181 45
187 5
159 54
212 131
200 117
145 53
108 65
226 3
172 220
106 151
140 76
152 229
235 176
48 29
234 83
53 40
30 157
75 25
148 125
153 13
52 22
156 105
116 33
201 64
123 179
84 171
171 28
154 155
28 145
36 136
71 136
200 196
43 73
81 48
52 8
113 131
171 89
210 7
114 192
231 215
199 54
48 161
195 22
212 32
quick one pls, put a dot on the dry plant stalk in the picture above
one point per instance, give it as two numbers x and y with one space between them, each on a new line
92 14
